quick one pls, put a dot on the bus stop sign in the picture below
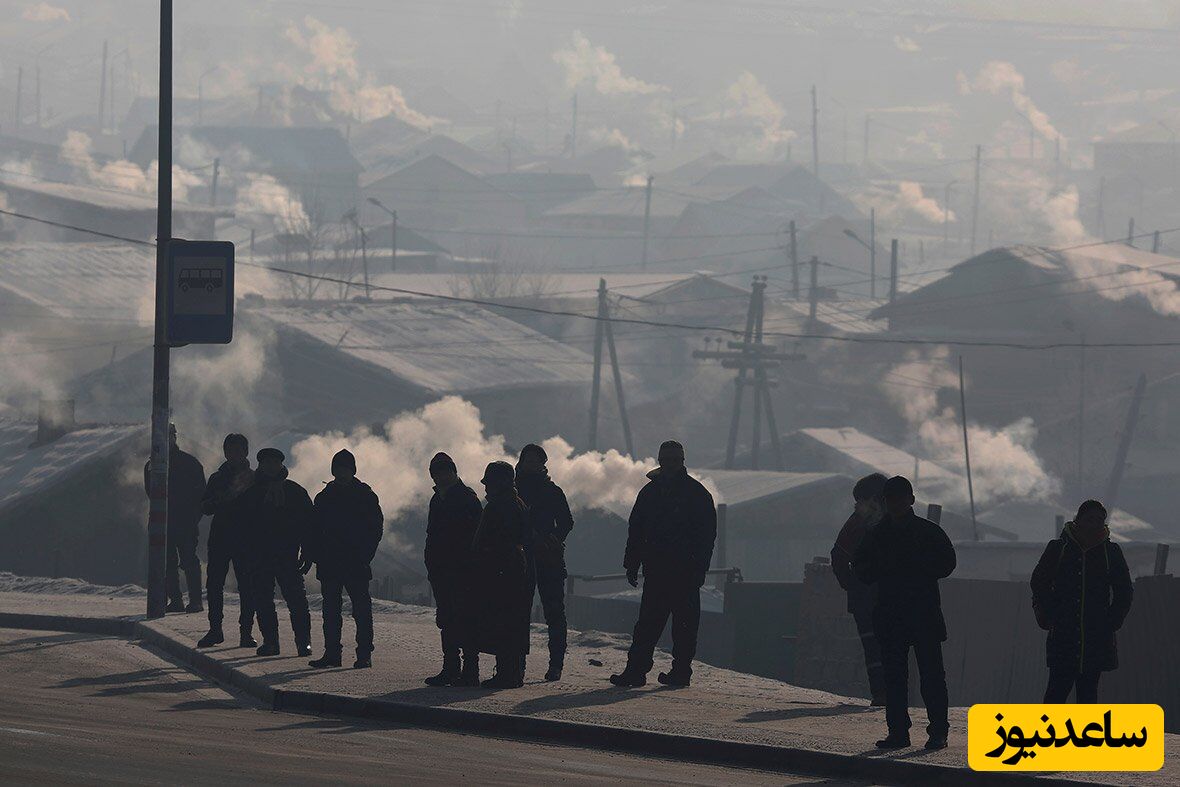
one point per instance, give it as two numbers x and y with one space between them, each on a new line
200 292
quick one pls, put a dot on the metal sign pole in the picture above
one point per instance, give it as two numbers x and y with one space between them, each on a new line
158 478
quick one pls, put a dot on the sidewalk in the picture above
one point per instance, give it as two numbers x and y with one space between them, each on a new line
736 712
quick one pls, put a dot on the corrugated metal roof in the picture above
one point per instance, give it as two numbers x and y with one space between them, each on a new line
25 471
440 349
870 451
739 487
107 199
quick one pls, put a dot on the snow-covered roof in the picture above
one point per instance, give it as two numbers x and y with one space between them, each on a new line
736 488
26 471
883 458
100 282
106 199
541 285
437 348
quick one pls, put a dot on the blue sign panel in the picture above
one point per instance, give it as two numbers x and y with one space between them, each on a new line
200 292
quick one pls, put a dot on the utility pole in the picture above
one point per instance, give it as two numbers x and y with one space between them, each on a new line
37 95
794 260
814 132
751 354
967 450
646 220
393 241
814 295
868 120
102 92
574 130
1120 458
596 382
602 327
975 200
1155 242
20 85
213 184
160 449
893 270
1131 232
873 253
111 96
364 256
1100 219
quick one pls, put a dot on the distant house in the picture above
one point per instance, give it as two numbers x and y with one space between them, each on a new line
69 501
389 152
800 191
1147 153
433 193
316 163
119 213
543 190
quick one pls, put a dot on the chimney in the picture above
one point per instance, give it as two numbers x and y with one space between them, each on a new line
55 417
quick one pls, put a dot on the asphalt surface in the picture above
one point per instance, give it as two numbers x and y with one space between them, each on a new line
80 709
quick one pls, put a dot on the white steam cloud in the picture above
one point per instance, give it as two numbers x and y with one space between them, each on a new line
906 44
263 195
748 99
1003 463
999 76
394 460
122 175
44 12
584 62
332 63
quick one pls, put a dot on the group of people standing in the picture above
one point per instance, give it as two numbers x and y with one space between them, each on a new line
485 561
268 529
889 561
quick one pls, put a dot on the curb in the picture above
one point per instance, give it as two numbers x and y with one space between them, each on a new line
709 751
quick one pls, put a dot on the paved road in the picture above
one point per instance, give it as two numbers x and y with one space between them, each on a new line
82 709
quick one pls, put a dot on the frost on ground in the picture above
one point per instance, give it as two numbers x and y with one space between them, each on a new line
11 583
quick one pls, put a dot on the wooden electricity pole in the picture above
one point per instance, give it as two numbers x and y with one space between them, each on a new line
602 329
646 220
975 200
967 450
1120 458
794 260
746 356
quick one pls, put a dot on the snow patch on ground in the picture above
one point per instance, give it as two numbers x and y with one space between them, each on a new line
65 586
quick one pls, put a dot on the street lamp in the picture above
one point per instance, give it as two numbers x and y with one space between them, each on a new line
351 218
201 94
393 235
872 254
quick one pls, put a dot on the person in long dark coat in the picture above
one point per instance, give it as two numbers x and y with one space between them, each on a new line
225 547
870 508
347 531
1082 593
279 516
670 535
906 555
186 486
451 523
550 522
502 620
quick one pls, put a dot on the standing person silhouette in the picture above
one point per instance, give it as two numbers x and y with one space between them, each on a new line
905 556
670 535
226 547
1082 593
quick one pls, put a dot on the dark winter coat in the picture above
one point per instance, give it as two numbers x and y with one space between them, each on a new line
905 558
672 529
1084 594
347 530
861 597
222 501
501 592
278 516
451 523
186 487
549 515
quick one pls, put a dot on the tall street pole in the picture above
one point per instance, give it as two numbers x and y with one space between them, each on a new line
975 200
158 476
967 449
646 220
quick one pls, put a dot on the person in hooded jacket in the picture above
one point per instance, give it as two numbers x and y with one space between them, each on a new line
186 486
451 523
869 495
1082 593
279 516
905 556
347 531
501 594
670 535
550 522
225 547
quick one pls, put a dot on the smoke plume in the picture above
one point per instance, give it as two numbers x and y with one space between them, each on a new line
44 12
999 76
1003 463
122 175
585 63
394 459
